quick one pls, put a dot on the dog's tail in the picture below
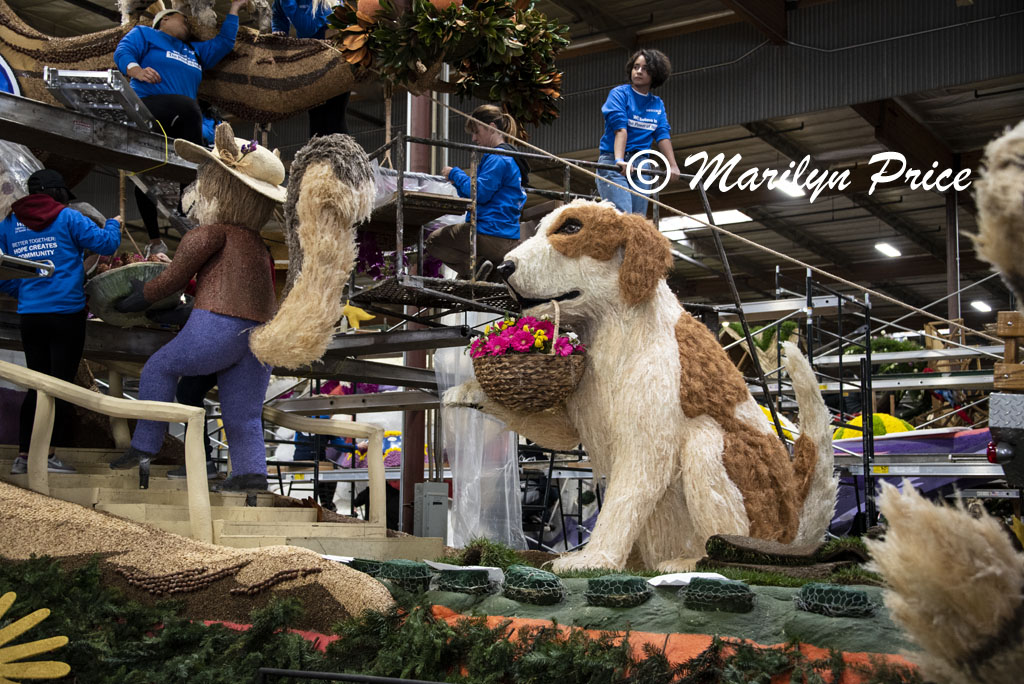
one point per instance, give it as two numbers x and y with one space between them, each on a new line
813 456
330 191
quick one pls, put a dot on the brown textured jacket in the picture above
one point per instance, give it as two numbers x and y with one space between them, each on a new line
232 269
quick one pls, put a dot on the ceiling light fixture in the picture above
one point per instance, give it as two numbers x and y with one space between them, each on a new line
981 306
887 249
790 188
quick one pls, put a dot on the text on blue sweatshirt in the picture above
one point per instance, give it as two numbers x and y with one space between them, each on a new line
62 242
179 65
643 117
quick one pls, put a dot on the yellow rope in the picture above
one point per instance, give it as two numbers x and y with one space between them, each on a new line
742 239
166 154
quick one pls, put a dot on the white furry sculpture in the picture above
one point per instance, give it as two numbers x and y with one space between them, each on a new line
1000 194
661 410
201 10
330 190
956 586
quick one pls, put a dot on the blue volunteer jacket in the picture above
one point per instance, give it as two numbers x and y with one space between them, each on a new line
62 242
499 195
179 64
643 117
299 13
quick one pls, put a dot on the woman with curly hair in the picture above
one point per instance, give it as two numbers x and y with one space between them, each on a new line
635 120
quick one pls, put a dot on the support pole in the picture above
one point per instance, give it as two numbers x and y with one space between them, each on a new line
953 253
39 447
118 426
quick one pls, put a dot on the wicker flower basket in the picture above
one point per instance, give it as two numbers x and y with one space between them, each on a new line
529 383
106 288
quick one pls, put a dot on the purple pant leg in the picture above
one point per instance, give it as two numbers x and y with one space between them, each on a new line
243 387
209 343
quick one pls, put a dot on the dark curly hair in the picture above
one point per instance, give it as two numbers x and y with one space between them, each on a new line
658 66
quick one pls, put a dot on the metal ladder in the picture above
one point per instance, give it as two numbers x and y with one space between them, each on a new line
108 95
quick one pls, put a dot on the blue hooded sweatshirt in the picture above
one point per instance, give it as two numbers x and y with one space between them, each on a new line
643 117
179 64
499 195
299 13
58 234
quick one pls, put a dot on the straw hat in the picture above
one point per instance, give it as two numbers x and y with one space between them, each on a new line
254 165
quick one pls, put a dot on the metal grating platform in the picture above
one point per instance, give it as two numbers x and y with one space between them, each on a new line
104 94
452 295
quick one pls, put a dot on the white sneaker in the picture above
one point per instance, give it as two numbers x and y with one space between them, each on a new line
55 465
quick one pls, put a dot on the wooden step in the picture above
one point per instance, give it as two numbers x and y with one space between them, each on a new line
356 530
153 513
73 456
112 479
386 548
250 541
99 468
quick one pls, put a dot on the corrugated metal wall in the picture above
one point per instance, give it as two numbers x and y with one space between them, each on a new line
844 53
856 51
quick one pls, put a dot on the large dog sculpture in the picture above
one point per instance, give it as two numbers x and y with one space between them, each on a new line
661 410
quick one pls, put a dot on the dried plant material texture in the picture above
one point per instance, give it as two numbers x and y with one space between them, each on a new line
955 586
152 556
330 192
660 409
1000 195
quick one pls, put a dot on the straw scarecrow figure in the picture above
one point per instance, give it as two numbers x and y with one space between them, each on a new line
238 187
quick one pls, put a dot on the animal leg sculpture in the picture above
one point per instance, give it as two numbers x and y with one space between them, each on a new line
551 429
629 502
330 191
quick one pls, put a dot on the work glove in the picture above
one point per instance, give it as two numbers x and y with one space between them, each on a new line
176 316
136 301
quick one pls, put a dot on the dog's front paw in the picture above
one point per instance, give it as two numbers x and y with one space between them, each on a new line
586 559
678 565
468 394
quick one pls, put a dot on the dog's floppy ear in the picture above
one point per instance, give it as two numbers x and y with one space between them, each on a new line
646 258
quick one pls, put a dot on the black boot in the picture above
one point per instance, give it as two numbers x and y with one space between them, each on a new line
130 459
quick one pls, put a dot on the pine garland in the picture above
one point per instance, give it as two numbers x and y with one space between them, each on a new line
114 640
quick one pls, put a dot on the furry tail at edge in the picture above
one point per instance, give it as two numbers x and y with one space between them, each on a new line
813 455
330 191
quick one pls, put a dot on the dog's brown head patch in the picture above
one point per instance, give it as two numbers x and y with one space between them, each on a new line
599 231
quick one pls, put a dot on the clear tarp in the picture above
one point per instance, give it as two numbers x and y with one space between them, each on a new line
483 456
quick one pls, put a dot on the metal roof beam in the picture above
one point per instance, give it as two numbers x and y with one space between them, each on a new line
591 14
767 16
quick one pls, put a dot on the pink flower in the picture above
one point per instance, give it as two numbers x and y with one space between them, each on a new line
497 346
563 347
547 327
526 320
522 341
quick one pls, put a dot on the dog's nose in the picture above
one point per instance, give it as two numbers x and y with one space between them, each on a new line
506 269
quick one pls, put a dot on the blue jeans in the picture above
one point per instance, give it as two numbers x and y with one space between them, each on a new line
623 200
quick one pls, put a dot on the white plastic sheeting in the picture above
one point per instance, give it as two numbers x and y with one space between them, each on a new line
483 456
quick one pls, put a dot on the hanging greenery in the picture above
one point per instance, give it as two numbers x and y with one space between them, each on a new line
499 50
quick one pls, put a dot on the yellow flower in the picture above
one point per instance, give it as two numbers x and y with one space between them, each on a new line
487 330
539 343
11 655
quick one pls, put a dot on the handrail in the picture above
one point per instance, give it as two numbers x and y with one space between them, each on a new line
337 428
48 387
